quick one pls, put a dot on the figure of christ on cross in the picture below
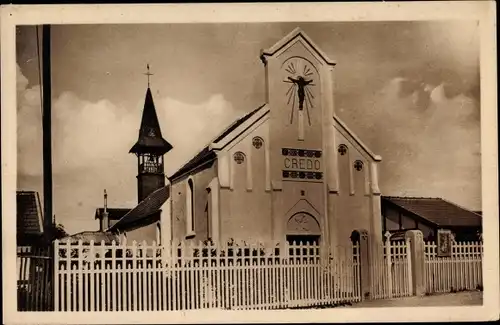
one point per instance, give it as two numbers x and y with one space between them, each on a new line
301 83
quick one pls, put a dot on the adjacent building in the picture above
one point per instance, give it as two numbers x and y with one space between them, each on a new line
428 215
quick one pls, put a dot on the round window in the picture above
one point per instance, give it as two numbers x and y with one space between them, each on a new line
239 157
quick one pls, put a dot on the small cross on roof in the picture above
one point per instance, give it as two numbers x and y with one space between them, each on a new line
148 73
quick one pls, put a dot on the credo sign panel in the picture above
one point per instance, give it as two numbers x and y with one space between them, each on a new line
302 165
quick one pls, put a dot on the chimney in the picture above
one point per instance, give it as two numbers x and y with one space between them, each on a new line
105 216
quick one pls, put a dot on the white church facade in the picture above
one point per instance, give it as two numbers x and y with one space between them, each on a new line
288 170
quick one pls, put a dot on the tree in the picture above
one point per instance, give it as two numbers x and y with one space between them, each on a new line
58 231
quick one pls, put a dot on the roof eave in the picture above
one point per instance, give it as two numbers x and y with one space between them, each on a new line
138 148
210 157
297 32
127 225
422 218
213 146
219 145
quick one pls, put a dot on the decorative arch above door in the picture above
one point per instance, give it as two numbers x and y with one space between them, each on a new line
303 223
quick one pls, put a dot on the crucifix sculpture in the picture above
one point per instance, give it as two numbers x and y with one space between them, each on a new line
301 83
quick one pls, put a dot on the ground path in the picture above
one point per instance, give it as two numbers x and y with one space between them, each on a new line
466 298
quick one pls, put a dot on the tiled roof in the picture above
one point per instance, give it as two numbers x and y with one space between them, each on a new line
113 213
438 211
150 138
29 214
87 236
144 209
202 157
206 154
237 123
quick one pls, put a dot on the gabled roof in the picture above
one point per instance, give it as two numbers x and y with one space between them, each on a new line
29 214
113 213
237 123
150 139
203 157
145 209
207 154
438 211
293 35
87 236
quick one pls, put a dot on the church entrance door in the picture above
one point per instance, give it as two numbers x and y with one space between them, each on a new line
303 239
303 228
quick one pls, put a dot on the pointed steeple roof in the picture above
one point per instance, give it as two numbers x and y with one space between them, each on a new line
150 139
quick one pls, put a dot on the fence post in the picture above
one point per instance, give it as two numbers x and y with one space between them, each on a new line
409 255
388 261
361 237
56 275
415 238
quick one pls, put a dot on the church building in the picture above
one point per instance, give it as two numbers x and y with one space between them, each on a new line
288 170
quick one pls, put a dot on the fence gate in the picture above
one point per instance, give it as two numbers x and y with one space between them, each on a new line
391 271
34 277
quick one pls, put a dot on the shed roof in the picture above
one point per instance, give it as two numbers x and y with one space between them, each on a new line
146 208
113 213
87 236
29 214
438 211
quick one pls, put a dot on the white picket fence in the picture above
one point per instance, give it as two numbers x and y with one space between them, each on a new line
33 278
155 278
461 271
390 271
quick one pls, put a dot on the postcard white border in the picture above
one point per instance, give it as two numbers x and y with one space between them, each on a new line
483 11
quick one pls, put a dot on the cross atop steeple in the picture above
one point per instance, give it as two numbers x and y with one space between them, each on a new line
148 73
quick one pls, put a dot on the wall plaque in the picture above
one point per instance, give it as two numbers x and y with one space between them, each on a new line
302 164
444 243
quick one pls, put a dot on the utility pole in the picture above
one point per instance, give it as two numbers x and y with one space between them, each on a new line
47 131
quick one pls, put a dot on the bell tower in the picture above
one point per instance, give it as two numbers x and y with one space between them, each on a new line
150 149
299 92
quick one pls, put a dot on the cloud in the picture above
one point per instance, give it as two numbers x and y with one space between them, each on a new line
91 141
190 127
97 134
21 80
29 127
431 147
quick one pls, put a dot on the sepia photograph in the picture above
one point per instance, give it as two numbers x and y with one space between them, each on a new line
248 166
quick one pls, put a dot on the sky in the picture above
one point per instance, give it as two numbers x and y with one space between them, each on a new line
409 90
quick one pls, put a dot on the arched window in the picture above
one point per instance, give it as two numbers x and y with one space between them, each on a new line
208 213
190 207
158 233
